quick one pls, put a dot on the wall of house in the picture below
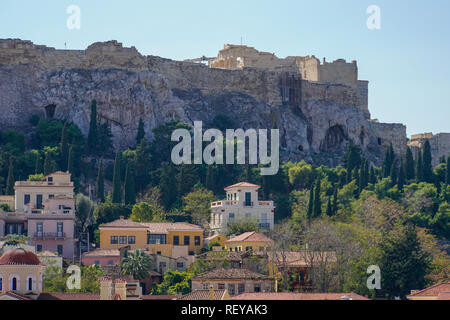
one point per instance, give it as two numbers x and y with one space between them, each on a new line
21 273
241 246
106 233
266 285
102 261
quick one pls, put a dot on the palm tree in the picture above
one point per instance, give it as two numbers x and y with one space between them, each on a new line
137 264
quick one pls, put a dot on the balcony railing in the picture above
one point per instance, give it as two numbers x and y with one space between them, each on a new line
264 225
49 235
231 203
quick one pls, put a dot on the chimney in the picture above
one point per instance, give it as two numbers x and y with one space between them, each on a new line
105 288
121 217
121 288
211 292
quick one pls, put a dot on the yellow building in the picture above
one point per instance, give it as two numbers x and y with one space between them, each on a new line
216 238
168 239
254 241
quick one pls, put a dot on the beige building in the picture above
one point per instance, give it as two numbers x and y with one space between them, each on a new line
20 275
235 280
241 203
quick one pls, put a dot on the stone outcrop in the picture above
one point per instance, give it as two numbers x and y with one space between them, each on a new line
316 119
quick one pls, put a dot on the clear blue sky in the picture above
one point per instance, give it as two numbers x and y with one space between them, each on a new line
407 62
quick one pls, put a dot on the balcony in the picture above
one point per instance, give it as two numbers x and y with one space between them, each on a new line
234 203
49 235
264 225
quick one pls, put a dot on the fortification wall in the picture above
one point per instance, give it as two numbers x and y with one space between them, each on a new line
439 143
339 71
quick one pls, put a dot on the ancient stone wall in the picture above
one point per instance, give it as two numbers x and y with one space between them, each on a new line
439 143
339 71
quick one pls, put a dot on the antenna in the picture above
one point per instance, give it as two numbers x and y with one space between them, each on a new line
241 40
65 45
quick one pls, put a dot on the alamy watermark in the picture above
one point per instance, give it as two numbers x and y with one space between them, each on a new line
374 20
213 152
74 20
374 280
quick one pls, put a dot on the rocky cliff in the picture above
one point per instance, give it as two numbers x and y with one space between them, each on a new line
315 119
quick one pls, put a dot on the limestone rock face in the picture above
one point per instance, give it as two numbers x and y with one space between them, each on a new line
315 120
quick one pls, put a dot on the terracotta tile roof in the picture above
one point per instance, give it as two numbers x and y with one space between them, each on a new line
102 253
123 223
19 256
203 295
301 258
242 185
159 297
213 236
232 273
250 236
165 227
69 296
46 253
297 296
15 295
444 296
432 291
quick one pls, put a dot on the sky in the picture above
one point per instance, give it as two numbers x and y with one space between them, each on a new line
407 60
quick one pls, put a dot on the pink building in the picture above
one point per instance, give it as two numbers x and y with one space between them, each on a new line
49 208
101 257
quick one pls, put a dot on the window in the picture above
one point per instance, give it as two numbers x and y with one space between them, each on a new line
97 262
39 201
1 284
50 179
248 199
59 228
257 287
59 248
197 240
158 252
14 284
51 196
186 240
205 286
131 239
180 264
30 284
235 196
123 239
156 238
39 247
110 262
176 240
191 253
221 286
26 199
241 287
231 288
114 240
231 216
39 229
248 248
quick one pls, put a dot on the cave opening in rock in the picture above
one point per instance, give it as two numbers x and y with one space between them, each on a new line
50 111
334 139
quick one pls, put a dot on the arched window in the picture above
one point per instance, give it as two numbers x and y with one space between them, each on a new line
14 282
31 282
1 283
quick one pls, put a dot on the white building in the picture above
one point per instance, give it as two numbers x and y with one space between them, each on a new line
241 203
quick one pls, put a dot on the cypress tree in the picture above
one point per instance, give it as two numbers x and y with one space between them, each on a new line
419 168
310 202
100 185
64 147
210 181
394 173
168 186
317 207
117 192
70 159
427 175
38 165
10 179
361 178
448 171
329 208
92 136
409 165
335 200
401 176
141 132
130 191
48 166
442 160
372 176
349 172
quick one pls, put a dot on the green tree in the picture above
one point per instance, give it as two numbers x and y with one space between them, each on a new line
10 180
404 263
419 167
447 174
38 165
92 142
100 184
317 207
48 166
84 209
186 178
146 212
409 165
117 181
198 205
427 166
310 212
242 225
141 132
137 264
168 185
70 159
329 208
175 282
130 190
335 200
64 149
401 176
